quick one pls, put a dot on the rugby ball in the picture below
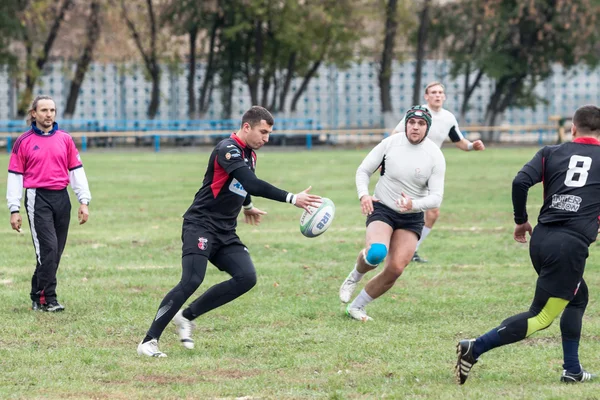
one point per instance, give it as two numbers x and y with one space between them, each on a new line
318 220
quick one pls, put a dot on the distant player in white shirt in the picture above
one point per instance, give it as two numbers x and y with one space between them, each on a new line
443 125
412 180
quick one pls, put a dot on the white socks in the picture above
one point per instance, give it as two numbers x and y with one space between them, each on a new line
361 300
355 275
424 234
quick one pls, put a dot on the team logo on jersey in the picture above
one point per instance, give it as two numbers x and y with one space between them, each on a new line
233 153
566 202
237 188
202 243
418 174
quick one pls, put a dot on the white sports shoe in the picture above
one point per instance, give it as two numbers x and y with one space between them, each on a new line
347 289
150 349
184 329
358 314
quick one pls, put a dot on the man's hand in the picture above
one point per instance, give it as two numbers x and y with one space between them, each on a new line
404 203
16 221
520 230
253 216
366 204
306 201
83 214
478 145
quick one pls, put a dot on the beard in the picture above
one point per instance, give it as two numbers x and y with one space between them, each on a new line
44 124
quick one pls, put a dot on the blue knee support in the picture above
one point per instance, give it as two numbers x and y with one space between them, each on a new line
376 254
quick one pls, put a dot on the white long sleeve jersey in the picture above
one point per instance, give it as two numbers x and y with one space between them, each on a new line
415 170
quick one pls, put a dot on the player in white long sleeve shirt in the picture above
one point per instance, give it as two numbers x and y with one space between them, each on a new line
443 125
412 180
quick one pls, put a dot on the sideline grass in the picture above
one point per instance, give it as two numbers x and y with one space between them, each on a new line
288 337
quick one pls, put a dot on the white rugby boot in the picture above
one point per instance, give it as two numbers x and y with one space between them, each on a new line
347 289
357 313
184 329
150 349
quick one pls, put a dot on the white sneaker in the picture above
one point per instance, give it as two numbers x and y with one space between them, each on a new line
184 329
150 349
358 314
347 289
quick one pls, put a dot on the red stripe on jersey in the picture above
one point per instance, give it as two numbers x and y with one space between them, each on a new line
219 178
587 140
238 140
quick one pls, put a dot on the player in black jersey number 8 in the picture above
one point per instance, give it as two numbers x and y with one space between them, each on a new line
567 225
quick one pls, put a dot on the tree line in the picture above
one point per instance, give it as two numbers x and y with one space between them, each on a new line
267 44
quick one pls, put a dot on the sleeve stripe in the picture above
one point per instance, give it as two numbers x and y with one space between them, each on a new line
74 168
18 142
15 172
454 137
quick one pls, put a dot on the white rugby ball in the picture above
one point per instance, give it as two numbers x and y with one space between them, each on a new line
318 220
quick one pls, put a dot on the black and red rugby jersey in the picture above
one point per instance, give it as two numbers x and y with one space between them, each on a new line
218 202
570 173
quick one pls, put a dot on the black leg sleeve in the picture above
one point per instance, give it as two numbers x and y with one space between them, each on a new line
570 322
236 261
193 272
514 329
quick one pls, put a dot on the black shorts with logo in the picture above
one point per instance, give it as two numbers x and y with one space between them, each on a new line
411 222
558 256
198 239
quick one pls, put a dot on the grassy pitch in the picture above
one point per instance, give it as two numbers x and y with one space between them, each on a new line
288 338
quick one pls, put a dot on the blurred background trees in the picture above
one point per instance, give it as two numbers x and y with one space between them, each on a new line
266 44
515 43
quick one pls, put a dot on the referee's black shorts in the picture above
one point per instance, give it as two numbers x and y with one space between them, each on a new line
408 221
201 240
558 256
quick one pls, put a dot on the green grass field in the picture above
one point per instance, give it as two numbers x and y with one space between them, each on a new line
288 338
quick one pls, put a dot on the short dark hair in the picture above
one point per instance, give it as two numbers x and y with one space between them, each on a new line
587 120
256 114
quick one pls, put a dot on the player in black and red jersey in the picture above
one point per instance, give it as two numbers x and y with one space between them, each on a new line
567 225
209 230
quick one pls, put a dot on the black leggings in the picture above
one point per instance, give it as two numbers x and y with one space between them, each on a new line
516 328
234 260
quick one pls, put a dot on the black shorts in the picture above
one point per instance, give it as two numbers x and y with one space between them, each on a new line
411 222
207 242
558 256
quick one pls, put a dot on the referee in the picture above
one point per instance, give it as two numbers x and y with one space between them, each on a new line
43 161
209 234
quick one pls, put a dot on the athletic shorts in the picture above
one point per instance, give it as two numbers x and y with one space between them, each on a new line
207 242
558 256
411 221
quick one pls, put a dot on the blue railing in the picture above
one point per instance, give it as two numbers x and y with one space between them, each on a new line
175 128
